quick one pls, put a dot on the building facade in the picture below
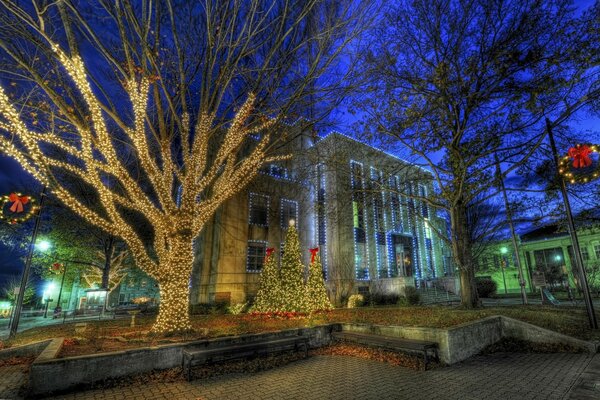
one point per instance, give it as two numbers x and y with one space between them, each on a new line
366 210
548 250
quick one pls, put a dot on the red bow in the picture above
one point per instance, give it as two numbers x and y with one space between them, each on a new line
581 156
313 253
270 251
18 202
57 267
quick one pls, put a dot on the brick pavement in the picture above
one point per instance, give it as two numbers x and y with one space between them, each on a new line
11 379
498 376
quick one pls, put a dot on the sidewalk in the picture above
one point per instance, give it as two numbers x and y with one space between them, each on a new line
34 322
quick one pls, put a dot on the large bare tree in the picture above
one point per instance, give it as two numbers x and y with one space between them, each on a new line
165 108
459 81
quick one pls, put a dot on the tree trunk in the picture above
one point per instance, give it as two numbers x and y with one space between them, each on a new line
174 283
461 251
109 249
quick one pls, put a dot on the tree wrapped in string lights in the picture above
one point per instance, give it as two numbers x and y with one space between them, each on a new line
268 298
292 274
165 110
316 298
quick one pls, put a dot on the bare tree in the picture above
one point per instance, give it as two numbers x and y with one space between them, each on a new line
166 109
465 80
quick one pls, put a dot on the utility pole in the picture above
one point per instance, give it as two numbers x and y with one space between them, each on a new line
513 235
25 278
589 305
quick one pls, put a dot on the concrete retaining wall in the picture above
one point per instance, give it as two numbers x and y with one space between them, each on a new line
31 349
532 333
50 375
463 341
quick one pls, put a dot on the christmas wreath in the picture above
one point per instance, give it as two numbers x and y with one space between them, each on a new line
578 166
16 208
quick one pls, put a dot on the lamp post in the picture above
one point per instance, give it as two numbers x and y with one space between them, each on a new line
46 297
589 305
513 234
25 278
503 264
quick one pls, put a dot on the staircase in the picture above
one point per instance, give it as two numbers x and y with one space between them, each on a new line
437 296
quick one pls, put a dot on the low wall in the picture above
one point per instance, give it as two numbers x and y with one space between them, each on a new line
31 349
460 342
533 333
50 375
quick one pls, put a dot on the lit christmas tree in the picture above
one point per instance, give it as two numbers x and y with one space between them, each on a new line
292 273
316 298
268 298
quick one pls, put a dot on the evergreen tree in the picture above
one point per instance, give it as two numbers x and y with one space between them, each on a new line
268 298
316 298
292 273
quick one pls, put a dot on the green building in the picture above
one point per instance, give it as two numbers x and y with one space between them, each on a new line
547 249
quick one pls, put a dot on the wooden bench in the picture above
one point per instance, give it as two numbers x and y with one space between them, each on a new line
194 357
392 343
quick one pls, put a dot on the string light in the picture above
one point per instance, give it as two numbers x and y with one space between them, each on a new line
321 215
176 220
361 273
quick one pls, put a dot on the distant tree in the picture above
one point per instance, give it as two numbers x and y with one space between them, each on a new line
11 287
457 82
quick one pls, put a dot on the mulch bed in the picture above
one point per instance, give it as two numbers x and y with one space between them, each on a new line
369 353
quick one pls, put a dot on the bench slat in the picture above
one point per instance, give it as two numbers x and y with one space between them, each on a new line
194 357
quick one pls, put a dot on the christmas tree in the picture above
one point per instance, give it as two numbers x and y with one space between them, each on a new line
292 273
316 294
268 298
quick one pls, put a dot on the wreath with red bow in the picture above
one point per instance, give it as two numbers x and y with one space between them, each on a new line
16 208
578 166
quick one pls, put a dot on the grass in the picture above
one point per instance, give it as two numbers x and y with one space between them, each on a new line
101 336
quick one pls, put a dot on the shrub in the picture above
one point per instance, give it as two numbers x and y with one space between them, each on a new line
486 287
206 308
412 295
381 299
356 300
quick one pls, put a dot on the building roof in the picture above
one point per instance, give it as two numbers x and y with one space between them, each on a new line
336 135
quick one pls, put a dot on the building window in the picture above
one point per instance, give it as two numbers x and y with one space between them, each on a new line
289 211
585 254
256 255
259 209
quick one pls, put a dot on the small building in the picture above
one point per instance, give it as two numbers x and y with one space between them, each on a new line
547 249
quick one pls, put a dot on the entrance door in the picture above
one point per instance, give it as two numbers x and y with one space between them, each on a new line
403 255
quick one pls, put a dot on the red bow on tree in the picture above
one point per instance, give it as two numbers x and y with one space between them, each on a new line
270 251
313 253
581 156
57 267
18 202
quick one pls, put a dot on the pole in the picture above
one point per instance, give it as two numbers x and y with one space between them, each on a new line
589 305
503 267
61 286
513 235
25 278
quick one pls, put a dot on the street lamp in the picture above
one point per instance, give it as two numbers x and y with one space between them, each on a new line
46 296
43 245
503 263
